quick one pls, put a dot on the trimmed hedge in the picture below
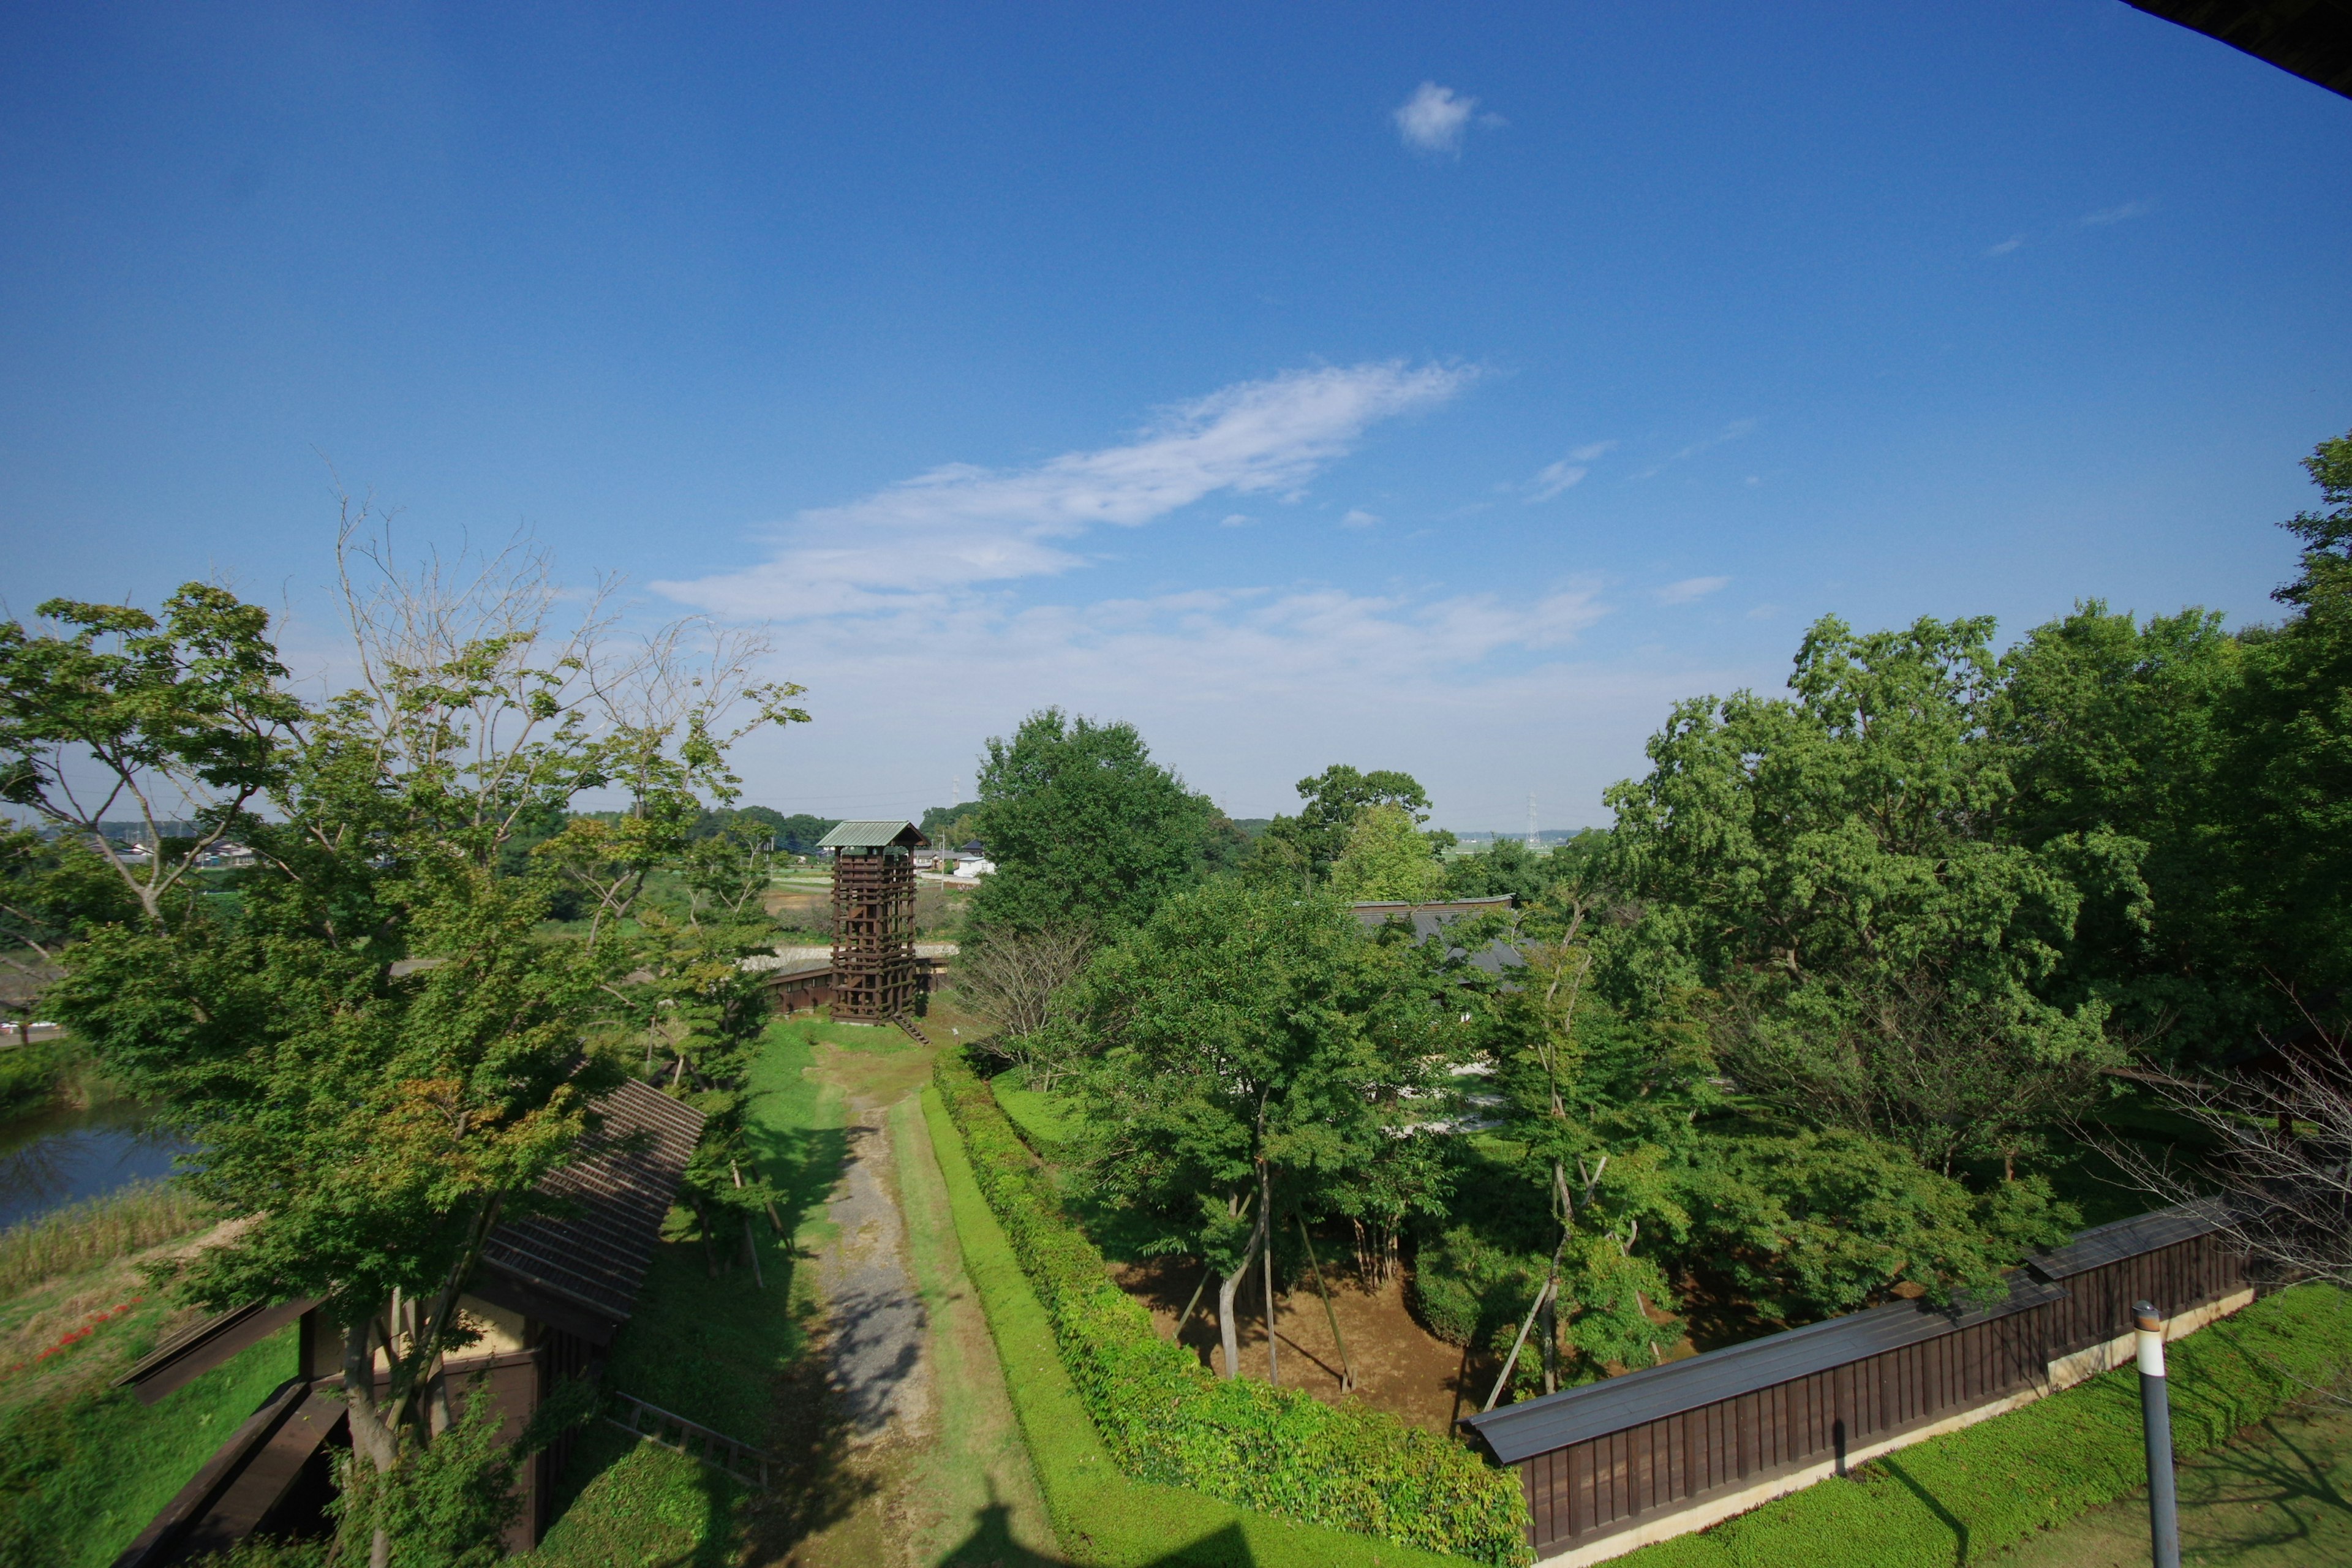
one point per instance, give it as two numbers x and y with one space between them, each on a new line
1166 1419
1964 1496
1102 1519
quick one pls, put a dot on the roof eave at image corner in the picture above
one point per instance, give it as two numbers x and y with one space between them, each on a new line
2309 38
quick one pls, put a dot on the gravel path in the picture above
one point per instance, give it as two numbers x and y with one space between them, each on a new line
877 1328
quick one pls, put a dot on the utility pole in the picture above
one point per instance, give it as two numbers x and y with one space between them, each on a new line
2155 1417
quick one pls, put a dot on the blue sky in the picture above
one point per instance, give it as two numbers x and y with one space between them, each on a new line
1438 387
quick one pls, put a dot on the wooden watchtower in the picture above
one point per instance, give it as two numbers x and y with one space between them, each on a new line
875 975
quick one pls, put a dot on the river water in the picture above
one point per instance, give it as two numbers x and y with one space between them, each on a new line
61 1157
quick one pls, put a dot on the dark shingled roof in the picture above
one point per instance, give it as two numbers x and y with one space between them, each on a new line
1429 918
2130 1237
1539 1426
595 1256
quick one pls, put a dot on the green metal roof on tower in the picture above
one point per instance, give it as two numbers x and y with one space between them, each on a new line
873 836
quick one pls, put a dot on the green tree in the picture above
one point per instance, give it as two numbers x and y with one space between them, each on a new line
2114 728
1087 832
1388 858
375 1052
1831 866
1256 1054
1815 1224
1302 850
117 708
1599 1117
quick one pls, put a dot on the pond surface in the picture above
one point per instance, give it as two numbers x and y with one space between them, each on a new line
61 1157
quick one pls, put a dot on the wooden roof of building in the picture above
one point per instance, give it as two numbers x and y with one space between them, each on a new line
1554 1421
875 836
581 1267
2311 38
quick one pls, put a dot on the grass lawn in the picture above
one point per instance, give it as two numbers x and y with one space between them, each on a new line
1961 1498
83 1466
721 1351
2280 1497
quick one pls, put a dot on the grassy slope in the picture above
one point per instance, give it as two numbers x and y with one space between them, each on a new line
1958 1498
1104 1520
713 1351
84 1467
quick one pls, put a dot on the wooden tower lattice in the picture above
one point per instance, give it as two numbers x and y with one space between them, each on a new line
874 974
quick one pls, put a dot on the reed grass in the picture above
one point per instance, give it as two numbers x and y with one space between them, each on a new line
130 1219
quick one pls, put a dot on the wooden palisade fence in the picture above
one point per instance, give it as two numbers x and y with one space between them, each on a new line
1673 1449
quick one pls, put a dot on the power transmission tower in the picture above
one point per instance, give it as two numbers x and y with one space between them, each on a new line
1535 841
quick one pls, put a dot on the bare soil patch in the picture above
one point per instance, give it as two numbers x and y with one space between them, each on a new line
1400 1366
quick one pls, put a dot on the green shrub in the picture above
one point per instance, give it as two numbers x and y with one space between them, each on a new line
1166 1419
32 1077
1468 1288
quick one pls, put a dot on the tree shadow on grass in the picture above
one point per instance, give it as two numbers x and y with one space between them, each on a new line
2281 1466
1933 1504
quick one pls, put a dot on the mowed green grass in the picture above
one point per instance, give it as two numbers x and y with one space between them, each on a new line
720 1351
2280 1497
84 1466
1963 1497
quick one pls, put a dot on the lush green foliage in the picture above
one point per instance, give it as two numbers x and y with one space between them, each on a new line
1828 864
1103 1519
1164 1419
374 1048
1087 831
1963 1497
1300 851
1244 1031
1388 858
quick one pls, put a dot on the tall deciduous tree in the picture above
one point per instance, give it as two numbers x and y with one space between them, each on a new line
1258 1056
1388 858
1087 832
376 1055
1832 864
1301 850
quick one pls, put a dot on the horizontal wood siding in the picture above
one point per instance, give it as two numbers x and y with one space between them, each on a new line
1604 1484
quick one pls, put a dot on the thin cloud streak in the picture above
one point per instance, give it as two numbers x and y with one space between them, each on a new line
961 526
1691 589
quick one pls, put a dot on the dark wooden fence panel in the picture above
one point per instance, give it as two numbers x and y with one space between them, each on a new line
1605 1482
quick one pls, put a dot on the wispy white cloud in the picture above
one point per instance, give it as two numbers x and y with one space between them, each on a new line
963 525
1434 119
2005 245
1554 477
1358 517
1235 519
2106 216
1691 589
1737 429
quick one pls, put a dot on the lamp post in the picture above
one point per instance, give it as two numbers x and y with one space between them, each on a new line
2156 1417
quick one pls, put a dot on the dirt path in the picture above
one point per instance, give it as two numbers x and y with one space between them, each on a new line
911 1367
